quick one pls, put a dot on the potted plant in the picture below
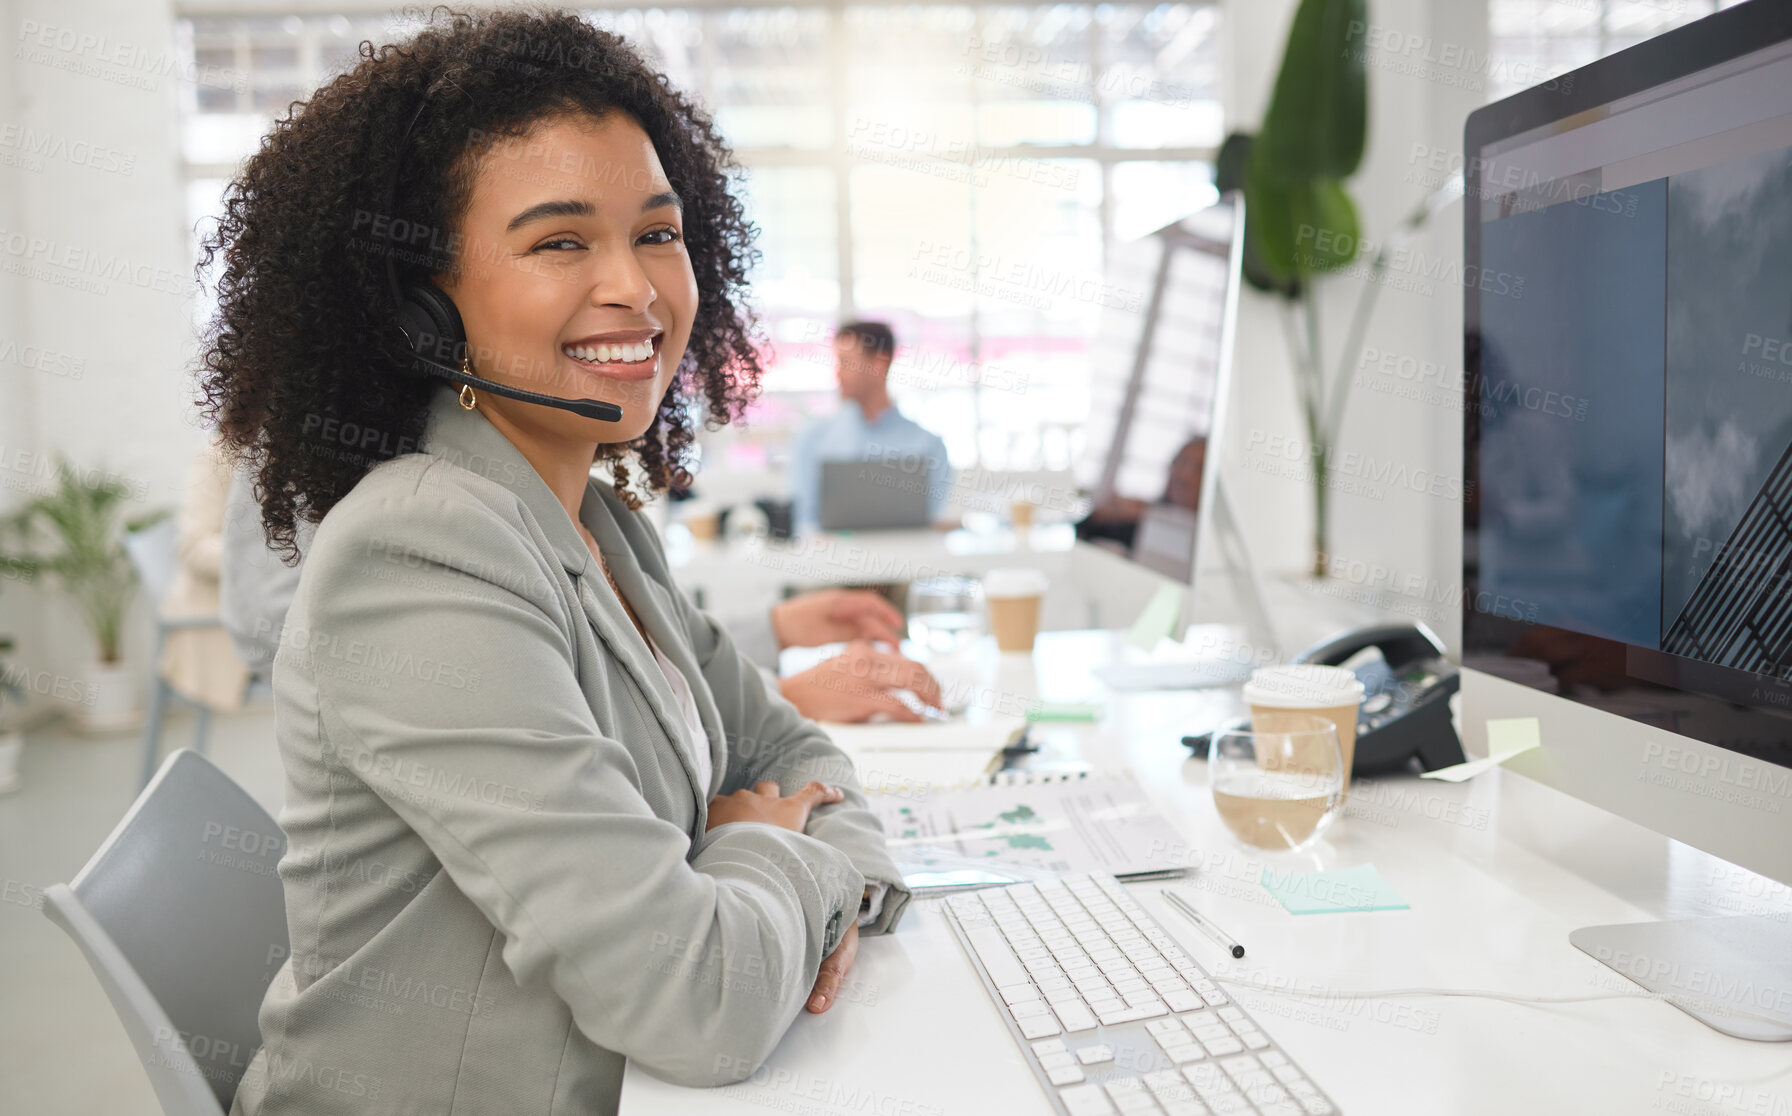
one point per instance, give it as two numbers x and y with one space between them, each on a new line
74 534
1300 221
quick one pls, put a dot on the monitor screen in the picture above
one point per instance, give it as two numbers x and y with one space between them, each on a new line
1154 397
1629 422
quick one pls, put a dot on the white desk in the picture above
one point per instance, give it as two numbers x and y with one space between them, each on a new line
1090 586
915 1035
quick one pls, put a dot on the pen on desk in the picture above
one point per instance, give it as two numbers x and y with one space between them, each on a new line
1202 924
1016 745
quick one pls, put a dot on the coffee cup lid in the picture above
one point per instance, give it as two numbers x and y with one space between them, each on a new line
1015 581
1302 686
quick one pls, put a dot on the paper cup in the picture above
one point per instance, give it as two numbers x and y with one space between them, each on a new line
1013 597
1275 692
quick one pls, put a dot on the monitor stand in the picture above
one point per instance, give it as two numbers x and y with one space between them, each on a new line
1261 643
1733 974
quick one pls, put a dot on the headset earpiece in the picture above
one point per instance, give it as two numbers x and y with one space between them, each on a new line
431 323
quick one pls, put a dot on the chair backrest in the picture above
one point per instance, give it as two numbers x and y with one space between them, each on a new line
154 552
182 917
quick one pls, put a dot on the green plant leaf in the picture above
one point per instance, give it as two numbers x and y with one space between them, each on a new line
1231 171
1302 229
1317 119
1330 236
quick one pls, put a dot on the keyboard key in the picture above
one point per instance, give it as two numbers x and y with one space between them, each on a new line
1014 993
998 962
1230 1013
1132 1014
1094 1055
1183 1000
1163 1079
1086 1100
1222 1046
1215 998
1273 1058
1285 1073
1075 1017
1124 1087
1047 1047
1253 1039
1028 1009
1053 1061
1169 1040
1039 1026
1065 1075
1186 1054
1210 1030
1139 1105
1160 1026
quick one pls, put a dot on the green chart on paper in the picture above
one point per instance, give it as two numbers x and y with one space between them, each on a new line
1058 826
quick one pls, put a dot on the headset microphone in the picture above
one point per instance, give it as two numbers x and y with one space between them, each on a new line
431 325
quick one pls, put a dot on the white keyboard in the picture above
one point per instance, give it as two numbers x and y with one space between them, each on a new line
1113 1015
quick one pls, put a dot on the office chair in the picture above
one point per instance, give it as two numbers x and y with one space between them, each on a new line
153 553
183 920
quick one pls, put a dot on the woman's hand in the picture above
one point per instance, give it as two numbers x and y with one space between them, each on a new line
855 685
764 804
833 970
834 616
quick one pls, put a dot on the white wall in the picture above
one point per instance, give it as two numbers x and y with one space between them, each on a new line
96 221
1384 536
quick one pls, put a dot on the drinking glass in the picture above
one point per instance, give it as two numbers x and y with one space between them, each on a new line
1277 789
945 615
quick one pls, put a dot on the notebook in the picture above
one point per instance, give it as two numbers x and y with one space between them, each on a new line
1019 827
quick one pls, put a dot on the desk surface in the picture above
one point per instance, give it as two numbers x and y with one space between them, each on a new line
1491 908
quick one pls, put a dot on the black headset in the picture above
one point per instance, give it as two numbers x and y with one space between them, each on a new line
431 324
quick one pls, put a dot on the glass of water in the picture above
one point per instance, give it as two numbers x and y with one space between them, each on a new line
945 616
1277 789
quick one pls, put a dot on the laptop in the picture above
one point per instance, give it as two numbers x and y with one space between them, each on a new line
867 496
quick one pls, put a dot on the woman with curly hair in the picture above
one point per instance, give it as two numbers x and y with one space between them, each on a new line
534 797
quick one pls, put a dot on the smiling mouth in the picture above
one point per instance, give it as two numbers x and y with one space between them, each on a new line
624 360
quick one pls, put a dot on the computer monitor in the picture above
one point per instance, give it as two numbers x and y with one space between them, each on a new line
1157 402
1627 542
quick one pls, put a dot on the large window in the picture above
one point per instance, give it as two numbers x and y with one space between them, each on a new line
1536 40
959 170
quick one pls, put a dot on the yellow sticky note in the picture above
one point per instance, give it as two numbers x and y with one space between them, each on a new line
1506 737
1158 620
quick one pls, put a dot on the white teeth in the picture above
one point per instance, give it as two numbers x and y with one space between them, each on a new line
604 354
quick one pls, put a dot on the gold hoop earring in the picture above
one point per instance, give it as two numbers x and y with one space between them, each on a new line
468 400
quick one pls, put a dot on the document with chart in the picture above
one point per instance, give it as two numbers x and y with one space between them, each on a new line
1024 829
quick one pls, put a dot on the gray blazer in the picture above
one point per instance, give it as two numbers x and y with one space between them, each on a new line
498 884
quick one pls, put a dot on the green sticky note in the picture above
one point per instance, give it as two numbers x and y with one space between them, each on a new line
1063 711
1349 889
1158 620
1506 737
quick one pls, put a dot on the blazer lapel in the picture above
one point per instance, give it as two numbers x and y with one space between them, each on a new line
467 439
652 605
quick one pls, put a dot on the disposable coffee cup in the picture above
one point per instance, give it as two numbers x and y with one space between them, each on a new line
1013 597
1279 694
1020 513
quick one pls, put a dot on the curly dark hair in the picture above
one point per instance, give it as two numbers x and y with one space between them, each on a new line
304 369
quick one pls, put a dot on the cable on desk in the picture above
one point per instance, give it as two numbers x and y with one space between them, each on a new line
1483 994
